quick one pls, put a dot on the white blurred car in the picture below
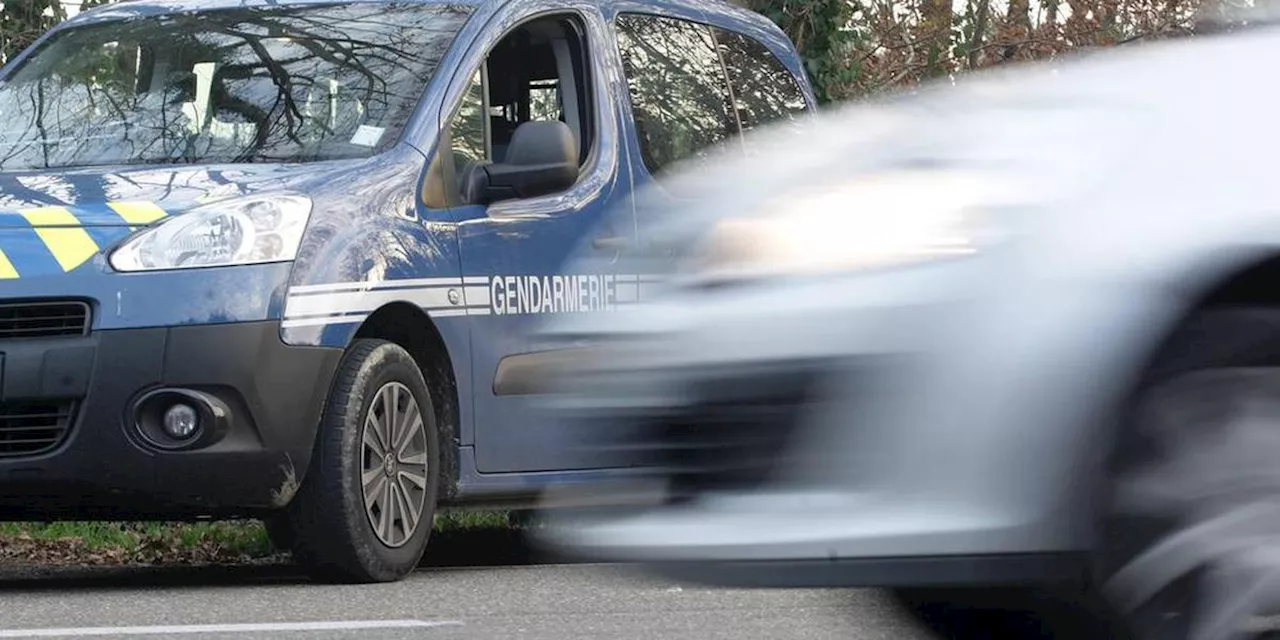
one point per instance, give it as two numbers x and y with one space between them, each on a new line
1019 331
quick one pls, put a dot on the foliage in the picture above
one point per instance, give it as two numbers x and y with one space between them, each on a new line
22 21
853 48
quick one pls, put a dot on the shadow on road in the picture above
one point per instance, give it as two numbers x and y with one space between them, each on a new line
480 548
473 548
1006 613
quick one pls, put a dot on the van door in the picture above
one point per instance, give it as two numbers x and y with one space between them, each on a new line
513 250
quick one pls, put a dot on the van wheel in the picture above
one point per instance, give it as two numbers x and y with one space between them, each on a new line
367 505
1189 544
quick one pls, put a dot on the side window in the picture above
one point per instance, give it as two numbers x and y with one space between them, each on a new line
763 89
470 140
536 73
679 93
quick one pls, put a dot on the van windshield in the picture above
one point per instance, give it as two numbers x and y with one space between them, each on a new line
268 84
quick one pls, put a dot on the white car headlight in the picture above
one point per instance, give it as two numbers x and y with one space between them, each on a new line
880 221
248 230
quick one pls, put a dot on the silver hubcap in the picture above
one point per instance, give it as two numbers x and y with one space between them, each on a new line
1216 479
393 455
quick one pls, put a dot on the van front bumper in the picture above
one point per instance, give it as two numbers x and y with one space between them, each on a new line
251 459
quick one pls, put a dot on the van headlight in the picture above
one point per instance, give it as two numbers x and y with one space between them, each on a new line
247 230
884 220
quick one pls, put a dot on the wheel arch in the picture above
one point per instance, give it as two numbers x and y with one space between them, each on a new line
1230 281
1240 279
410 327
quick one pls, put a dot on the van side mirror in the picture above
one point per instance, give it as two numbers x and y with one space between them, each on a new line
541 159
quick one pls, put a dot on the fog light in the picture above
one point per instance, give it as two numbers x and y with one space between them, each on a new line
181 421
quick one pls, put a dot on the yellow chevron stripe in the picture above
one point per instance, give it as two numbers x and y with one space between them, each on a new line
138 213
6 268
70 245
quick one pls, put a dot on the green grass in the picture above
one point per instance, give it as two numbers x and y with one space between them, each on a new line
452 521
96 535
150 539
174 542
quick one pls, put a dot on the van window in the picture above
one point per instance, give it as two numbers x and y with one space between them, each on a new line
535 73
764 90
679 93
263 84
470 140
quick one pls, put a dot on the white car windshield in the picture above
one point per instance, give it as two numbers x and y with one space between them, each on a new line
268 84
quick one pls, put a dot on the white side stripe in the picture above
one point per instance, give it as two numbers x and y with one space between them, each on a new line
374 286
447 313
358 301
322 320
476 295
627 292
265 627
343 303
459 311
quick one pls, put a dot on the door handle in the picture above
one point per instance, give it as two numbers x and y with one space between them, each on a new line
611 243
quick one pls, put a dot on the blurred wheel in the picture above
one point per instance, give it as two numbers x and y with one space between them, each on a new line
1190 539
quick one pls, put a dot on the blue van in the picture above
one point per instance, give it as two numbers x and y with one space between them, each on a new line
278 259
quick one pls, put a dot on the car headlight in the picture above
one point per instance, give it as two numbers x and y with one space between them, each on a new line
880 221
248 230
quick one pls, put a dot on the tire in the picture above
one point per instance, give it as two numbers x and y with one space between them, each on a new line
280 532
1189 537
342 535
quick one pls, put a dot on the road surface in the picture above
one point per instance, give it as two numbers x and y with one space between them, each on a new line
552 602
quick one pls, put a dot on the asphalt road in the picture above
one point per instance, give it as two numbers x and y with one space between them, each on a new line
538 601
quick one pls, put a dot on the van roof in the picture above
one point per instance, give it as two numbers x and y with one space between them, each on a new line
133 8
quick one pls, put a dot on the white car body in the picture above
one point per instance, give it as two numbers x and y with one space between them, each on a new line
964 404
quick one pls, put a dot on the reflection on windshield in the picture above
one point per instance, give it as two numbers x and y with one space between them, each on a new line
286 84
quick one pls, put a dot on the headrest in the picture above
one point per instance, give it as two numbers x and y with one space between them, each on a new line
542 142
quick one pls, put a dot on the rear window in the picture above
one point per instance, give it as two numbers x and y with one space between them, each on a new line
281 84
764 91
695 88
679 92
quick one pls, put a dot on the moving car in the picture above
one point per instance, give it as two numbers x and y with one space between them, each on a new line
1020 331
273 258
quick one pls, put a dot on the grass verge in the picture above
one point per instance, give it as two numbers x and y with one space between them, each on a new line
96 543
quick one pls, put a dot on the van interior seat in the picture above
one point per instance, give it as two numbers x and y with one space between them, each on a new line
539 52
